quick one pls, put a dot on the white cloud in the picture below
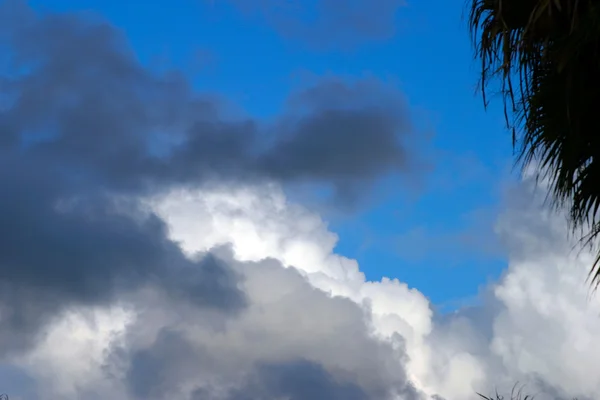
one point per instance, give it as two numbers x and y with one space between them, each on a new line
260 223
550 316
71 354
537 325
545 317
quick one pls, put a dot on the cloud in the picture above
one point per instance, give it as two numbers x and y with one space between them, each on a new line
321 325
259 223
147 249
87 130
536 323
101 111
548 304
297 380
292 340
326 24
480 348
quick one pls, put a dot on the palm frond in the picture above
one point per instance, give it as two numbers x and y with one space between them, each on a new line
551 49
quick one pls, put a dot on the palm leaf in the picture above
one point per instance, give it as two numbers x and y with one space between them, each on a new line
551 48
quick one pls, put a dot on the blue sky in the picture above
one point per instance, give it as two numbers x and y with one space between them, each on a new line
438 237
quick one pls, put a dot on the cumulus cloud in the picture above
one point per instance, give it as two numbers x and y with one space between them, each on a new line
292 338
87 130
328 23
291 341
148 250
535 325
313 326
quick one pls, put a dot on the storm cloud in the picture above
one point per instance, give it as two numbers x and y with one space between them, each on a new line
86 130
501 338
290 341
148 250
323 326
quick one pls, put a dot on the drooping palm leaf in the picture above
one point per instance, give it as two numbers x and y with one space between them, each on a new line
546 55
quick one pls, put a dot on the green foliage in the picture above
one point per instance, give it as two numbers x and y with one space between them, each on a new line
546 55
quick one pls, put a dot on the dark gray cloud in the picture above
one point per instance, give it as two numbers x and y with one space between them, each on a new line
152 375
85 252
326 133
154 371
296 380
327 24
292 341
85 130
80 98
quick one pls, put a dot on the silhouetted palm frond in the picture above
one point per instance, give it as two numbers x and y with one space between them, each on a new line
515 394
546 55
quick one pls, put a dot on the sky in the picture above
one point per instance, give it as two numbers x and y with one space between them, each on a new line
245 52
257 200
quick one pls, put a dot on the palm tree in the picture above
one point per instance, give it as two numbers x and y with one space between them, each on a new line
545 54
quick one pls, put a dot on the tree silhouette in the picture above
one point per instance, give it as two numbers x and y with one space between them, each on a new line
546 56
